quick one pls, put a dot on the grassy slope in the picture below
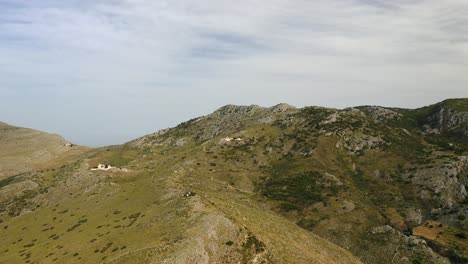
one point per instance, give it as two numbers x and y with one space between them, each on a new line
142 216
23 149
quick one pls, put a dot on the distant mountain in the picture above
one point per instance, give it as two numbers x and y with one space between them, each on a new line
249 184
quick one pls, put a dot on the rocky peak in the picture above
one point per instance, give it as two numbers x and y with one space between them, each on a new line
238 109
280 108
380 114
447 120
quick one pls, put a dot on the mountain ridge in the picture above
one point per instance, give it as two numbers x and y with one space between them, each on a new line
251 184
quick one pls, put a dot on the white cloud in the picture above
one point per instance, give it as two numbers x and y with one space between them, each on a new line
189 57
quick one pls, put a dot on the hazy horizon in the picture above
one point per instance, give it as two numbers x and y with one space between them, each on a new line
191 117
105 72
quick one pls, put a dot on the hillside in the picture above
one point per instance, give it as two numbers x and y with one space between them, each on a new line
23 149
248 184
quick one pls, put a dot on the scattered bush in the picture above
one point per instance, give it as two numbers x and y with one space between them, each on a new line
288 207
107 246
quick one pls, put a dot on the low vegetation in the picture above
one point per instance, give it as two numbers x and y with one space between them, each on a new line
373 181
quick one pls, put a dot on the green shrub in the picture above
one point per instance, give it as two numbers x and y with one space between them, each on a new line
288 207
296 190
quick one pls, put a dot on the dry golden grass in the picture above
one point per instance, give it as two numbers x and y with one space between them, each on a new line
395 219
430 230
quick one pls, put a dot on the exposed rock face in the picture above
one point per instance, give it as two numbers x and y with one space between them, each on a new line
231 118
404 247
151 139
16 190
331 118
414 241
380 114
238 110
280 108
205 246
226 120
382 230
413 217
446 120
357 142
443 184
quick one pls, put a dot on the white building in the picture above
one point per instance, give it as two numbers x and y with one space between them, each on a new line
103 167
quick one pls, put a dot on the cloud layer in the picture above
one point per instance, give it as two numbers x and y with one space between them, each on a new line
102 72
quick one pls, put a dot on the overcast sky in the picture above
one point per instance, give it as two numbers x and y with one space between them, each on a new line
105 72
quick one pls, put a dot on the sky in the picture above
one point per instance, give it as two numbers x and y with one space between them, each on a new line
105 72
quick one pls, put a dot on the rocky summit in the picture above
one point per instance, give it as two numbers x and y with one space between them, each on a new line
245 184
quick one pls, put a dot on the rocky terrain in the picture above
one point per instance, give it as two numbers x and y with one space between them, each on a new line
247 184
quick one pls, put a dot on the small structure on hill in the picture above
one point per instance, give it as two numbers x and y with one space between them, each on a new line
229 139
106 167
103 167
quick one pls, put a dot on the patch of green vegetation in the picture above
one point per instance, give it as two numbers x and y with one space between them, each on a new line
449 142
117 156
297 190
7 181
106 247
286 207
251 247
308 222
460 105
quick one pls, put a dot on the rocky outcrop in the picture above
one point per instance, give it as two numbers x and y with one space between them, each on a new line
280 108
442 184
380 114
238 110
18 189
446 120
226 120
358 142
